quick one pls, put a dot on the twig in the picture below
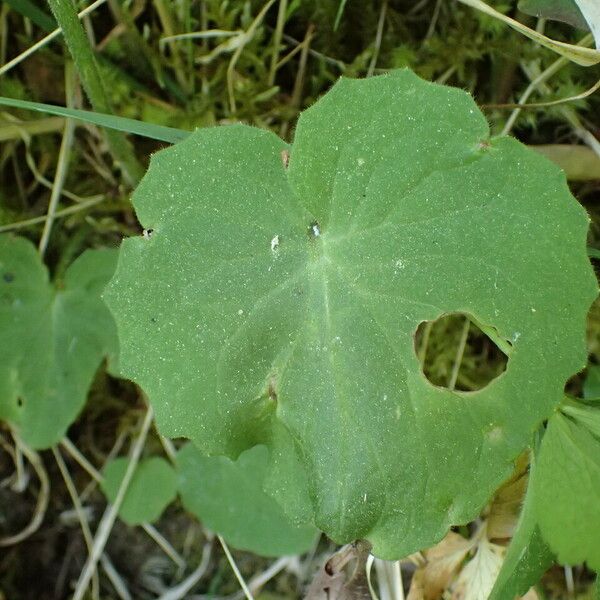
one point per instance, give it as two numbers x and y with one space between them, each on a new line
115 578
111 512
164 544
43 496
87 466
83 522
181 590
459 354
244 39
389 577
277 41
541 78
62 163
235 569
378 38
46 40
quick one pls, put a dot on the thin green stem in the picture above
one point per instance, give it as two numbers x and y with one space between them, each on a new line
62 163
110 514
277 41
85 61
459 354
235 569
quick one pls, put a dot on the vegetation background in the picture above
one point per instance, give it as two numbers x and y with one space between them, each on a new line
260 63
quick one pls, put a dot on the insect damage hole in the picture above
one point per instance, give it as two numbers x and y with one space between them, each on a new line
454 353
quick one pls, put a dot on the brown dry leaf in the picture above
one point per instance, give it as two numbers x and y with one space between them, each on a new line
477 578
442 563
531 595
506 506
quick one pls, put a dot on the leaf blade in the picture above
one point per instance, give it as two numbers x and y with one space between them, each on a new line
156 132
287 298
227 497
52 341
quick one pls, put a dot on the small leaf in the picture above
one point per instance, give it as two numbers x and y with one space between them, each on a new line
276 302
52 340
228 498
557 10
567 487
152 488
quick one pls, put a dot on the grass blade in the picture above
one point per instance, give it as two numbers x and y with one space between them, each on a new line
32 12
83 56
149 130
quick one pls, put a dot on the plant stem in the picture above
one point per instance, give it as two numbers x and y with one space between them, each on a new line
83 56
63 161
110 514
277 41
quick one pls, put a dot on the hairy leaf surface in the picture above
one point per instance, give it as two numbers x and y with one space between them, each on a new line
52 338
274 300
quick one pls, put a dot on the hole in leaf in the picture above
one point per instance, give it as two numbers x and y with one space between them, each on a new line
456 354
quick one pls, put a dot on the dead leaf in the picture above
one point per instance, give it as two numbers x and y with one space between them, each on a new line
442 563
506 505
477 578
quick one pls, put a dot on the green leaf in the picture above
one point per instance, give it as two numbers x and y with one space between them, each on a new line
527 557
591 386
52 338
584 415
278 306
567 487
30 10
229 499
149 130
152 488
557 10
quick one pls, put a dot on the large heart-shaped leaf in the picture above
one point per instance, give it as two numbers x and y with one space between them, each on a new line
52 339
274 300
